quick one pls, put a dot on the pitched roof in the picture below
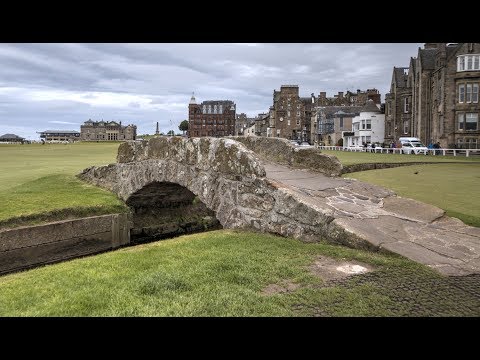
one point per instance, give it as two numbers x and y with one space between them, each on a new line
400 76
370 107
10 136
60 132
427 58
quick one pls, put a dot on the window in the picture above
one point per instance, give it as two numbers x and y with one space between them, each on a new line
288 113
214 109
298 113
461 120
471 121
288 122
475 93
204 109
278 133
405 127
461 93
369 124
341 123
469 93
220 109
298 121
356 126
468 121
406 105
468 62
363 124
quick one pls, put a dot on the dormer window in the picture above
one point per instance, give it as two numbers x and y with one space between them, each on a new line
468 63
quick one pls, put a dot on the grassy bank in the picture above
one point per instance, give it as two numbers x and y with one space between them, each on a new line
452 187
221 273
38 179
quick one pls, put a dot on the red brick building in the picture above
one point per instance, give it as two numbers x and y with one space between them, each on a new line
211 118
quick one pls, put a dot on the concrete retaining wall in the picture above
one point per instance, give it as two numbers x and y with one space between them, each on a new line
30 246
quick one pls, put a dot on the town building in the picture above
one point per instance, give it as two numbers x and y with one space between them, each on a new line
349 98
436 99
211 118
367 128
261 124
250 131
242 122
290 115
329 122
107 131
59 135
11 138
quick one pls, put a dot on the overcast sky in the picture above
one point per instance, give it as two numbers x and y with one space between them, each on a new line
59 86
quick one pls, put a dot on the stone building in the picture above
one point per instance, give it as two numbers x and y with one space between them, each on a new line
437 99
211 118
59 135
242 122
328 123
107 131
261 124
290 115
349 98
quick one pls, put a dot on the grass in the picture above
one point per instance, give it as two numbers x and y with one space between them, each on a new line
350 158
453 187
220 273
38 179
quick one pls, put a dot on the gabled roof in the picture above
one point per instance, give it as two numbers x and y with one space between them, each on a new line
427 58
370 107
400 76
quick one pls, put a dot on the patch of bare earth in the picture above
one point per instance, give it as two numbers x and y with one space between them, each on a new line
284 287
333 269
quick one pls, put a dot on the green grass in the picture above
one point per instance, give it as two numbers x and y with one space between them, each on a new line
38 179
350 158
452 187
220 273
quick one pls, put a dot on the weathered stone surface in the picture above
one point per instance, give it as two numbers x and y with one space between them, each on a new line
282 152
412 209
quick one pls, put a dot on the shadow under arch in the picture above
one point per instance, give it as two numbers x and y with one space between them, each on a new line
164 210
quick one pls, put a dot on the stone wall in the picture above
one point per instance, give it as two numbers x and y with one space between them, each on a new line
25 247
281 151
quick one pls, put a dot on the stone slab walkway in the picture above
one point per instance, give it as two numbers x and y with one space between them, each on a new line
416 230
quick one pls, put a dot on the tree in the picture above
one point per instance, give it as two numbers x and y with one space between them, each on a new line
183 126
171 133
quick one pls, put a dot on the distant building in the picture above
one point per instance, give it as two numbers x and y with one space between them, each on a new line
367 128
261 124
349 98
59 135
250 131
211 118
107 131
290 115
11 138
328 123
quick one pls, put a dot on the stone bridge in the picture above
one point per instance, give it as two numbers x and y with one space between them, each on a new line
268 185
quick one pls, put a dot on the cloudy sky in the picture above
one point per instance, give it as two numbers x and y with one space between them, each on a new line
59 86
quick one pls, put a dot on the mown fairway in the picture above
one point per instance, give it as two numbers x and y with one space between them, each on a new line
227 273
452 187
39 178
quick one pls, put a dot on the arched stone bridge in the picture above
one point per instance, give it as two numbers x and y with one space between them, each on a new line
267 184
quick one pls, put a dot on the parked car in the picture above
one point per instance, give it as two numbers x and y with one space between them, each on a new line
412 145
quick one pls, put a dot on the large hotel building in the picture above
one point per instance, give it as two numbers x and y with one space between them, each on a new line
211 118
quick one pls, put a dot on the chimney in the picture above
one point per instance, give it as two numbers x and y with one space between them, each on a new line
156 131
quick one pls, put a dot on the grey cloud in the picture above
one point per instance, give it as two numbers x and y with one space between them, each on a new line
168 73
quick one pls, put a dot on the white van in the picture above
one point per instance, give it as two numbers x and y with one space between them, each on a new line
412 145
